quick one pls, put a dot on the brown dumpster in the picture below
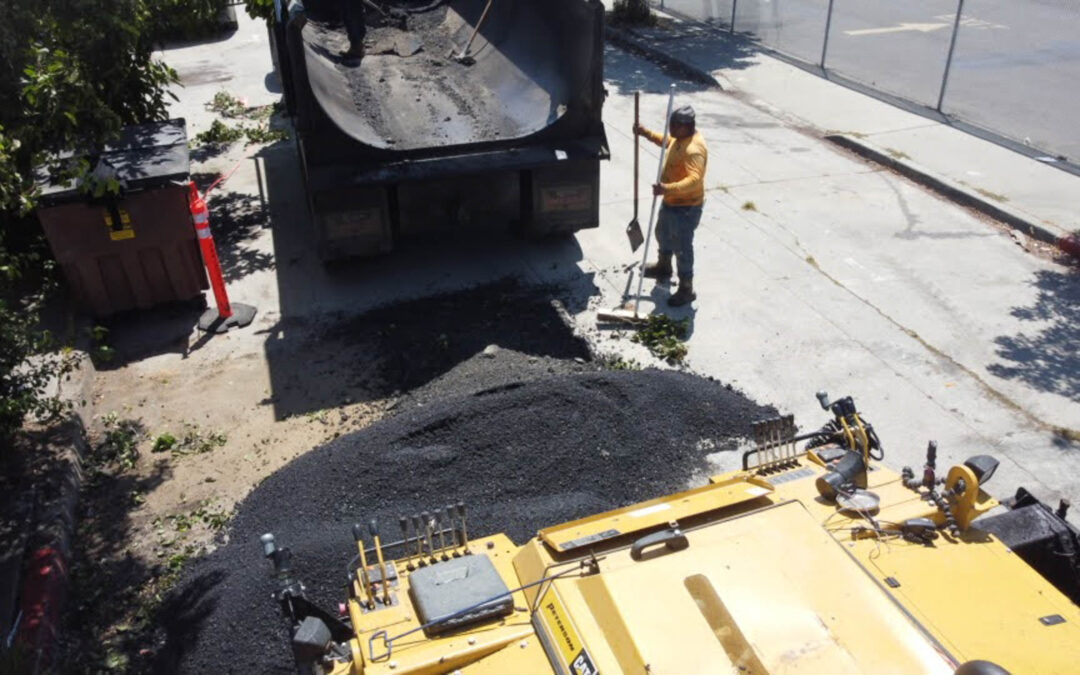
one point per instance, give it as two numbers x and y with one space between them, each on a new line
137 249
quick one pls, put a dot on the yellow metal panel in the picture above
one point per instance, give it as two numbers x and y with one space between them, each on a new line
586 623
523 657
529 565
594 590
723 624
644 515
976 597
565 643
957 589
798 600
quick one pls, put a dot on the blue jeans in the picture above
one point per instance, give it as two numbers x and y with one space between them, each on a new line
675 234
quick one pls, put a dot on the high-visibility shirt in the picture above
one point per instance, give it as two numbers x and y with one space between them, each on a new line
683 176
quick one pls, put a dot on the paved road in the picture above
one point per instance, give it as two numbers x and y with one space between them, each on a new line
1014 72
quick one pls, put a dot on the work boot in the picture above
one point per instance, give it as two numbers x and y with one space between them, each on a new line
661 269
354 54
684 295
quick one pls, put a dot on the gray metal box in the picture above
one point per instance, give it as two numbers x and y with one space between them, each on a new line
446 588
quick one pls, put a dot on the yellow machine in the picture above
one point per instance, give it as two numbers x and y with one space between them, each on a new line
812 559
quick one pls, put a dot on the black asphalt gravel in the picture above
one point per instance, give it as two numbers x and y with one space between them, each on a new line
521 455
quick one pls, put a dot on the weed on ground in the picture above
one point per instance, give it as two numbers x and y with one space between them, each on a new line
230 107
119 445
191 441
664 337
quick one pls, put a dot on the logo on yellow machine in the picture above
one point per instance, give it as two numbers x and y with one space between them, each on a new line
564 636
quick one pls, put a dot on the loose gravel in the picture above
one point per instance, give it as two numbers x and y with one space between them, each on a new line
522 455
408 89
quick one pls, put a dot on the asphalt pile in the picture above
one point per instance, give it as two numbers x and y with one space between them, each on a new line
522 455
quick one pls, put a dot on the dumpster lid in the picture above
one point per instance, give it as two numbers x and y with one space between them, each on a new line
144 156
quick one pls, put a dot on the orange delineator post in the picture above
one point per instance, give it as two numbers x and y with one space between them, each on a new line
200 215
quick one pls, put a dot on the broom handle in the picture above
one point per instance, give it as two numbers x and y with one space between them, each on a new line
464 52
652 211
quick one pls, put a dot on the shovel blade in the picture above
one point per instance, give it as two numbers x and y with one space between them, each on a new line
635 235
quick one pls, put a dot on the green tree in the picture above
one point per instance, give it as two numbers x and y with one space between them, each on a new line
72 74
186 19
260 9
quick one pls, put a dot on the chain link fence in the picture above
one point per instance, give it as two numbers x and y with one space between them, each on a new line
1011 67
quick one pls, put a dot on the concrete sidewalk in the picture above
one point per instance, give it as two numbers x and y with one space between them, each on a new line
1026 193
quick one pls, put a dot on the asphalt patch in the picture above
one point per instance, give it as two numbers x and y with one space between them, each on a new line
522 455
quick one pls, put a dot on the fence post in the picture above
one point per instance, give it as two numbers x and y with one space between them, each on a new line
734 4
952 48
825 42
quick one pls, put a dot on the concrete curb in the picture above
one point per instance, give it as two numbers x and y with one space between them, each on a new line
632 43
949 188
44 587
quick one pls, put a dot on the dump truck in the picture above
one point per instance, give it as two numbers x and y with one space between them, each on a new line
813 557
463 117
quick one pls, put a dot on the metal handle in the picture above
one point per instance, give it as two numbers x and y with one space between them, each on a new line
673 539
652 210
637 149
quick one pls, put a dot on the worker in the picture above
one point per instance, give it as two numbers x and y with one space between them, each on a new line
682 185
353 15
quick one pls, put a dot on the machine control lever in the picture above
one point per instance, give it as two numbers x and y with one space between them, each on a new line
823 399
464 530
403 523
373 530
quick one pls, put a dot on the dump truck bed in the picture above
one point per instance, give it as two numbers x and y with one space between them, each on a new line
408 142
407 94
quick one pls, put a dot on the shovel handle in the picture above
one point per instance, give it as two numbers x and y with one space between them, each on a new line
652 210
637 148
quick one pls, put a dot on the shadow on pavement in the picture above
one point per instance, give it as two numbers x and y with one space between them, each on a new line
143 333
238 220
1048 358
702 47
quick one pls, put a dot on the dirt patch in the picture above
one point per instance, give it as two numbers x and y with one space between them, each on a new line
522 455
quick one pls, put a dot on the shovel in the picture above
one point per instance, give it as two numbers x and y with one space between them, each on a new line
633 230
624 313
